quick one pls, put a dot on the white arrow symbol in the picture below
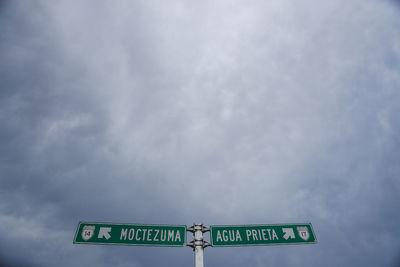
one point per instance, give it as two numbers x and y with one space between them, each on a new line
104 232
288 233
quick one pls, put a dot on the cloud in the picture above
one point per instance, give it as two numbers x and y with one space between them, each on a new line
224 113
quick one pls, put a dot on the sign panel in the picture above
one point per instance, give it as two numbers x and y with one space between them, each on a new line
261 235
130 234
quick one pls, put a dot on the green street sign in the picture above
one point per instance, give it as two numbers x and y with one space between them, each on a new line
130 234
261 235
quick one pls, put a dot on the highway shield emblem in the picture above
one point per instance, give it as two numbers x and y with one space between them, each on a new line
88 232
303 233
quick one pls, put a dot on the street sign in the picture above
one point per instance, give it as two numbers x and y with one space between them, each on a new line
131 234
261 235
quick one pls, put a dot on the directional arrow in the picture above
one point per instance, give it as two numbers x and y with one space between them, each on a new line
104 232
288 233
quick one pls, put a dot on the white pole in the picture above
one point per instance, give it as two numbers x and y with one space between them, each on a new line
198 246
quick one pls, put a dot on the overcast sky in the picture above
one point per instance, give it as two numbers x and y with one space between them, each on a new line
220 112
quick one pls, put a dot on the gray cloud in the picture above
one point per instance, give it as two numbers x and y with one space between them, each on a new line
224 113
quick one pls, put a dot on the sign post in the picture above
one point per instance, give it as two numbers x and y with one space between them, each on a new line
198 244
261 235
175 235
131 234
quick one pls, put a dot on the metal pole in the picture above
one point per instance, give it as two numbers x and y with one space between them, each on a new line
198 244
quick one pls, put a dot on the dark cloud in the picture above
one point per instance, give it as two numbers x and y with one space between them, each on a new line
3 5
224 113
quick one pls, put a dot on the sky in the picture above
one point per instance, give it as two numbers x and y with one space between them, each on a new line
214 112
